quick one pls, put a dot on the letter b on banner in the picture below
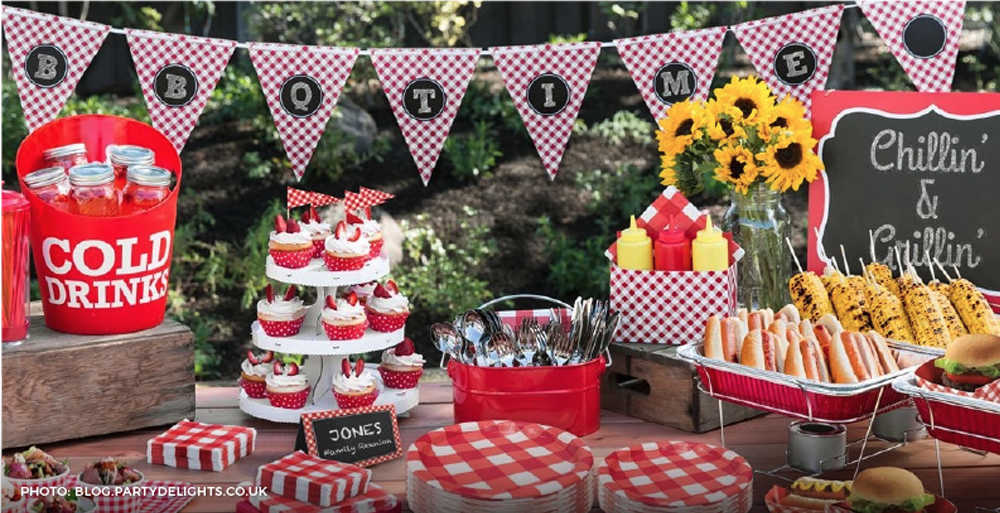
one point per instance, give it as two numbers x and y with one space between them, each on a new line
175 85
45 66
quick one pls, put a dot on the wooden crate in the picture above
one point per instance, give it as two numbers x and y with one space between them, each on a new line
59 387
650 382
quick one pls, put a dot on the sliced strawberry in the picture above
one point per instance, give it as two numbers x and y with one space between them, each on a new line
292 369
380 291
356 236
252 358
392 287
293 226
405 348
269 290
280 225
353 219
359 366
291 293
368 212
268 357
306 216
345 365
313 214
277 368
331 303
341 230
352 298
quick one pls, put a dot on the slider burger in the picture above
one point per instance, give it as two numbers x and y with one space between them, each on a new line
888 490
815 494
970 362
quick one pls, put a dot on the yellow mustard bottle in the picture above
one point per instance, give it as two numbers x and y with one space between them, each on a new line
635 249
710 250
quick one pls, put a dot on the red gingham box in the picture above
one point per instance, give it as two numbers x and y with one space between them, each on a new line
310 479
375 500
199 446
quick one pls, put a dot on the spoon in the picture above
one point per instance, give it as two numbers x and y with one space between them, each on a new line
448 341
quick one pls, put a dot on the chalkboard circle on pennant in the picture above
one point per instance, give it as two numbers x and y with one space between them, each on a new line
924 36
46 66
548 94
301 96
423 99
795 63
175 85
675 82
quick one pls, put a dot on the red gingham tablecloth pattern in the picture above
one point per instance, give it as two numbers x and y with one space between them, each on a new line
200 446
519 65
675 474
164 503
929 75
375 500
327 66
205 57
499 460
450 68
645 55
78 41
514 318
816 28
310 479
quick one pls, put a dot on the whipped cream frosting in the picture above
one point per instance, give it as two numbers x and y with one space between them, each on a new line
280 307
301 237
344 312
363 290
368 227
397 303
354 383
7 489
389 357
315 227
296 381
261 369
358 247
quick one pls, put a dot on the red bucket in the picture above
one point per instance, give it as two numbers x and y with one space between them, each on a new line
101 275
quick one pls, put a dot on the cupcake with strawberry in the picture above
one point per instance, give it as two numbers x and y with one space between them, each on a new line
401 366
362 290
344 319
281 316
346 249
289 245
255 369
287 386
318 230
370 230
354 387
387 309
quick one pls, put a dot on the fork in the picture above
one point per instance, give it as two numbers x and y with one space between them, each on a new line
503 346
527 342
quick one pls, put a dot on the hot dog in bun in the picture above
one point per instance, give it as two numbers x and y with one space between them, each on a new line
814 494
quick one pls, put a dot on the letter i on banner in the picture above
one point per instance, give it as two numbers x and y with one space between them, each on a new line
670 68
177 74
302 85
48 55
923 36
793 53
425 88
547 84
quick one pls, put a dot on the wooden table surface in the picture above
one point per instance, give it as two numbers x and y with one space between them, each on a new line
971 480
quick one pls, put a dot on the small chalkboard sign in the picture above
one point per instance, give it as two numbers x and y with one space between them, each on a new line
361 436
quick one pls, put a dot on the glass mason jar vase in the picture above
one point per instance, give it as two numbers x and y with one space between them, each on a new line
760 224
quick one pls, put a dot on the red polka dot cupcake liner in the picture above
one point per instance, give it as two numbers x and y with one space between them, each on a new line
386 323
376 247
282 328
292 259
346 402
319 246
350 332
289 401
254 389
338 264
400 380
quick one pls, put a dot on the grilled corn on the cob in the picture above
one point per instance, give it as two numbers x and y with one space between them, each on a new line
810 296
888 315
972 307
883 275
850 305
926 319
951 318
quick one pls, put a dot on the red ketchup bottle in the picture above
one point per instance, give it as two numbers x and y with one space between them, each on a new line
672 250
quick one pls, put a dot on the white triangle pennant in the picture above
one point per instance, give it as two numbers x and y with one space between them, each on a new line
301 85
425 88
793 53
177 74
547 84
923 36
669 68
48 55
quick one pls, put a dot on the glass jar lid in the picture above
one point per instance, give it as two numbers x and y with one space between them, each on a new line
65 151
94 173
148 175
127 155
44 177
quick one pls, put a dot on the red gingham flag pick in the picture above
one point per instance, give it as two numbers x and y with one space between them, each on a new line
372 197
425 88
792 53
923 36
353 201
177 73
298 197
547 84
669 68
48 55
302 85
320 199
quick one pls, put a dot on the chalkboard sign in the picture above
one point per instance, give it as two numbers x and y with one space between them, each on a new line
362 436
921 171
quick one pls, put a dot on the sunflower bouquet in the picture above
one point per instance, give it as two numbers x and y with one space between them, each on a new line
742 137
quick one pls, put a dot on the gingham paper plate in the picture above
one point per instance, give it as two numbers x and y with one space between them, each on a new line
424 499
613 503
675 474
499 460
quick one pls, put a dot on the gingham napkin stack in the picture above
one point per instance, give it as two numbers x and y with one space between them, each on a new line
199 446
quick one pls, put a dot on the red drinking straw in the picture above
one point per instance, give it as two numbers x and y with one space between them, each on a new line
15 267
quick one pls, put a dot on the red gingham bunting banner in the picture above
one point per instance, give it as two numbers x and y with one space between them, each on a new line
425 88
302 85
670 68
792 53
177 74
923 36
48 55
547 84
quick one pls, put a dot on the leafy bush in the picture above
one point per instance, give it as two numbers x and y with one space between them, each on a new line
474 154
577 268
484 103
625 125
556 39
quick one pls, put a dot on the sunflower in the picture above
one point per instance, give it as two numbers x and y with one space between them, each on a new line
750 96
667 173
683 125
737 166
721 125
790 161
787 115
